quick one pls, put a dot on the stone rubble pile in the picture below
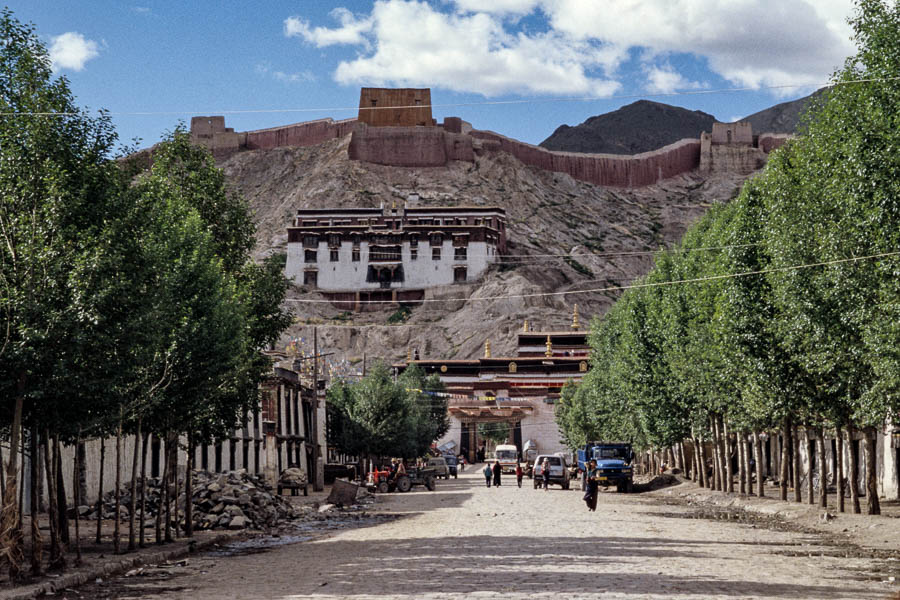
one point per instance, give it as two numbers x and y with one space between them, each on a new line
233 500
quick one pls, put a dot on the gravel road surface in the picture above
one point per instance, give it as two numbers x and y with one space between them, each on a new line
467 541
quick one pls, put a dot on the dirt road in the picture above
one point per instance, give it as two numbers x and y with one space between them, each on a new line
465 540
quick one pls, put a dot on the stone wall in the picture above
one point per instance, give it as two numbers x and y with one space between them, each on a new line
224 141
603 169
772 141
730 158
733 133
395 107
409 146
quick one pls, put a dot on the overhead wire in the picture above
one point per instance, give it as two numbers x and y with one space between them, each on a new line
531 100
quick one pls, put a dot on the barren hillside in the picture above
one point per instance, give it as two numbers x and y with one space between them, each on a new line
549 215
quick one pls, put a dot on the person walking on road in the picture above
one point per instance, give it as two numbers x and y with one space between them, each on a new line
591 486
545 474
488 472
519 474
497 470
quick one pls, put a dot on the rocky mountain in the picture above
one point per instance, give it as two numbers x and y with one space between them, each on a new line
644 125
564 236
638 127
784 117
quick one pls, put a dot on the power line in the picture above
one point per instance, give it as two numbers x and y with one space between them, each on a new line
620 287
531 100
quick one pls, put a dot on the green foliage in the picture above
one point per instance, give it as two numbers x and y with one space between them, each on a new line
818 344
380 416
400 315
495 432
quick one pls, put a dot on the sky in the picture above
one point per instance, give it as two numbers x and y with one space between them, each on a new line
517 67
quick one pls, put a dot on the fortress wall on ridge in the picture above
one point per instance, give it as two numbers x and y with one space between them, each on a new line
603 169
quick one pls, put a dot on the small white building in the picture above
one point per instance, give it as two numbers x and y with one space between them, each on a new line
392 254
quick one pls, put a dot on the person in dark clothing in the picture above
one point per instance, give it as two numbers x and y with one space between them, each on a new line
519 474
591 487
545 474
497 471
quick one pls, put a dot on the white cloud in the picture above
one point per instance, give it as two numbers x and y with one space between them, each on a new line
665 80
415 44
749 42
71 51
141 10
501 7
578 46
301 77
351 30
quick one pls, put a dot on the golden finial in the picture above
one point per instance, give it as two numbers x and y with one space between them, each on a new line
409 355
525 326
487 348
549 351
575 317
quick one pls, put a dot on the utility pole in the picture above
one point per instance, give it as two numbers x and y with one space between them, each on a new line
319 483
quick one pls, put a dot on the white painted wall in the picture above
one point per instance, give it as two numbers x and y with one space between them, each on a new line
345 274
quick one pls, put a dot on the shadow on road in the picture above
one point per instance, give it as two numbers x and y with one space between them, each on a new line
564 566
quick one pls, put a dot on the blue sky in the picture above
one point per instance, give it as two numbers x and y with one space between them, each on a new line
279 62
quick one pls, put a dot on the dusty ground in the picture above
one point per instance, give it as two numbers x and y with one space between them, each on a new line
465 540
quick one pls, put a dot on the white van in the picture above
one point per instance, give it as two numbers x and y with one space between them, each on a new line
559 474
508 455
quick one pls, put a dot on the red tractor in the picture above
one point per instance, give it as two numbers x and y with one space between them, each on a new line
380 481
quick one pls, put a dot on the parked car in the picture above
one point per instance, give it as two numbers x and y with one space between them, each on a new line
440 466
559 473
452 464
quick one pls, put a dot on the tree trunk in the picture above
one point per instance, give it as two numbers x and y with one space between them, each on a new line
823 471
167 527
760 480
704 459
62 505
873 507
718 478
132 504
854 470
144 441
162 497
742 472
37 542
55 553
76 499
811 452
748 452
785 456
100 489
796 468
682 458
189 489
177 489
729 467
118 492
11 551
839 435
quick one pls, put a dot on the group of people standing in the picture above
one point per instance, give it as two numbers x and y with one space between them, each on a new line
492 473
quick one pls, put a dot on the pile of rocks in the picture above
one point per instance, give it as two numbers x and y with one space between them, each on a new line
234 500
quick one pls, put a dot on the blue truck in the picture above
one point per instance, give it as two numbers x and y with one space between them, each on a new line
613 463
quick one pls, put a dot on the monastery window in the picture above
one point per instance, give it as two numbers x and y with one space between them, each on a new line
310 223
309 256
437 239
459 275
334 255
413 253
310 241
436 253
334 241
355 254
479 222
374 102
459 253
413 241
310 278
